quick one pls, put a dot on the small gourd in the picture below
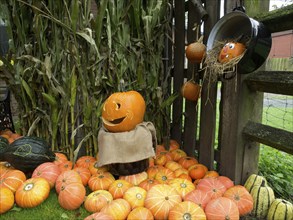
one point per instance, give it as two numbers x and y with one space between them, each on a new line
254 180
263 196
280 209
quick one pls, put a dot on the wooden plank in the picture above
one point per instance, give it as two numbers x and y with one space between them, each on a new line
190 114
179 51
238 105
208 98
274 137
278 82
277 20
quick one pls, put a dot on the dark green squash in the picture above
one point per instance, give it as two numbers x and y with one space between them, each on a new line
3 144
26 153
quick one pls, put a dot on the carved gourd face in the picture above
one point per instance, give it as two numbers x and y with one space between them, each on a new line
230 50
122 111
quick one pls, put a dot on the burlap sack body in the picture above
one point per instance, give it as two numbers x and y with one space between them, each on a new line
127 147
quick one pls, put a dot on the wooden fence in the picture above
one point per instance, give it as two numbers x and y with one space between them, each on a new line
238 105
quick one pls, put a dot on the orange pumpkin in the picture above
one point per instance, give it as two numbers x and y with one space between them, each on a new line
118 209
177 154
48 170
160 199
199 197
167 153
187 161
165 175
122 111
96 200
196 51
140 213
148 183
222 208
99 215
71 196
230 51
161 159
187 210
60 158
240 195
183 186
6 199
172 165
101 181
84 174
95 168
197 171
226 181
135 196
32 192
211 186
152 171
85 161
67 177
4 167
135 179
190 90
65 165
12 179
211 173
118 188
180 171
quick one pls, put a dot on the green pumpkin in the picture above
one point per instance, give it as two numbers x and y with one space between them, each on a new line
26 153
3 145
280 209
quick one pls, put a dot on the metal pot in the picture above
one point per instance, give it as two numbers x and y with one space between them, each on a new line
236 24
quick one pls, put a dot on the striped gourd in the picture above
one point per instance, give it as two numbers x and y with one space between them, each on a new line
280 209
263 196
254 180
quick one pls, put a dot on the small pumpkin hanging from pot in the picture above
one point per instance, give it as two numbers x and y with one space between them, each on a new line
122 111
230 51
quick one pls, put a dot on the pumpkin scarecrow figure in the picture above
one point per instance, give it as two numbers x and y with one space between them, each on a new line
125 141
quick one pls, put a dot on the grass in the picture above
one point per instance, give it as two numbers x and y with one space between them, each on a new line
49 210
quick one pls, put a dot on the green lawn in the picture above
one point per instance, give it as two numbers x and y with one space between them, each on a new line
49 210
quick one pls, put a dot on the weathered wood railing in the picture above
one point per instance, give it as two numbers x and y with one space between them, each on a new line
240 111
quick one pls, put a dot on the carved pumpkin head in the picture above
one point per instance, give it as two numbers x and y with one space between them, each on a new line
230 51
122 111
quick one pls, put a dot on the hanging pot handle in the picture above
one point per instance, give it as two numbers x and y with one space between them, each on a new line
240 7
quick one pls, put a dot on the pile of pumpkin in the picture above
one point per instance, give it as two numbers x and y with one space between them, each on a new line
175 186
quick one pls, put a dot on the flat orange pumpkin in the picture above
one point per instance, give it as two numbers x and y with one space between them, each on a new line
122 111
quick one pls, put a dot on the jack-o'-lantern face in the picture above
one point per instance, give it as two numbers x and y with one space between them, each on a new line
122 111
230 51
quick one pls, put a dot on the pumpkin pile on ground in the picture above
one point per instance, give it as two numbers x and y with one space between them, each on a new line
174 186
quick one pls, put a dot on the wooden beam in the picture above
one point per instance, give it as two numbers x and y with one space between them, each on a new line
274 137
179 50
278 82
277 20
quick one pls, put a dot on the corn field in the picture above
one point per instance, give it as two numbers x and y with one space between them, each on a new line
67 60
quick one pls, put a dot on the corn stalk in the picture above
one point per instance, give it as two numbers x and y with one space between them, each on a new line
68 61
